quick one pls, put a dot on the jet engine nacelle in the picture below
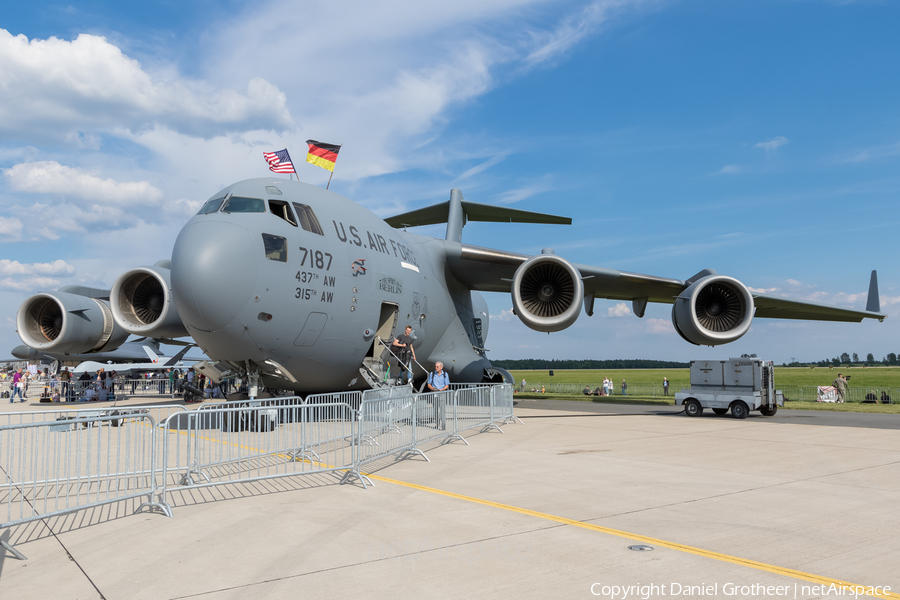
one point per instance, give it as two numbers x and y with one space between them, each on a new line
714 310
141 302
547 293
68 323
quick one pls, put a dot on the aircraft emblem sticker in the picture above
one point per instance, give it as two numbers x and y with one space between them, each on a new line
358 267
389 284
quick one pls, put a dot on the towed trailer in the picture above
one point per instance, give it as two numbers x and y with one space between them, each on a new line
737 384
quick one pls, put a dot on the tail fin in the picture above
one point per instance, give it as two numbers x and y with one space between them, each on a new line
150 353
873 302
458 211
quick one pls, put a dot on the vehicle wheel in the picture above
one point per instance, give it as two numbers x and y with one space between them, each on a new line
739 409
768 411
692 408
720 411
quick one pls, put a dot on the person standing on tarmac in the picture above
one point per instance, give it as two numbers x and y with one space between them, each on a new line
438 380
18 382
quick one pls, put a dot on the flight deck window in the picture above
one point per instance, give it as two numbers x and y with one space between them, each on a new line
276 247
211 206
237 204
281 209
307 218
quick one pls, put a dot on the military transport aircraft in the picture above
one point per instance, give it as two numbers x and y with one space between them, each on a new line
296 287
131 351
157 363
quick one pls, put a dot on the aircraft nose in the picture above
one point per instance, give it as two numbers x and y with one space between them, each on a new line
213 273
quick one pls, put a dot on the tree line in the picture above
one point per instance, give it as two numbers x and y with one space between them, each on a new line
527 364
846 359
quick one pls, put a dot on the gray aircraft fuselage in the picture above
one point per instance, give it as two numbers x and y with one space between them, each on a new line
253 286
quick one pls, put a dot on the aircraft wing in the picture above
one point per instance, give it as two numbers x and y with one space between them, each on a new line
485 269
778 307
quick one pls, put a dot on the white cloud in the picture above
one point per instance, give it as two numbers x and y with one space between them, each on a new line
730 170
505 315
874 153
516 195
773 144
28 284
50 177
572 29
619 310
659 326
14 267
761 290
10 229
62 87
793 282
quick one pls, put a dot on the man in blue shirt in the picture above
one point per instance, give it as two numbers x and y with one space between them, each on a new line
438 381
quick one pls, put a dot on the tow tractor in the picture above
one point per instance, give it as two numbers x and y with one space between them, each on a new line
736 384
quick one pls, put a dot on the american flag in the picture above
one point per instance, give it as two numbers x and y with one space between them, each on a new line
280 161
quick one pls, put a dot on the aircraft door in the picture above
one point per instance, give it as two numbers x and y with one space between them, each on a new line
387 327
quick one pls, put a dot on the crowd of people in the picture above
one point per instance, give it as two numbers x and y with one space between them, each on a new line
102 385
607 388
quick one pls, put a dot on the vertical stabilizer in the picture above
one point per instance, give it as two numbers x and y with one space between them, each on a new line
873 303
456 217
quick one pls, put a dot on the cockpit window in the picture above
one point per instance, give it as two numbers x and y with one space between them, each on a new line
237 204
280 208
307 218
276 247
211 206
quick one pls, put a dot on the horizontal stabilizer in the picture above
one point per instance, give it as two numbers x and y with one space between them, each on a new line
456 212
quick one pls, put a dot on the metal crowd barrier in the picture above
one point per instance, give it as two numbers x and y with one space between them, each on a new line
159 413
60 466
397 426
61 461
241 443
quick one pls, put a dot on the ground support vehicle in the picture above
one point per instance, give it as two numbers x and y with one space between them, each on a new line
737 384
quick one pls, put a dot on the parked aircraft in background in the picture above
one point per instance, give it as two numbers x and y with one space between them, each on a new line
157 363
296 287
134 350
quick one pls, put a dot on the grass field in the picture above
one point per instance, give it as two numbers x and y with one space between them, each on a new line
873 377
879 377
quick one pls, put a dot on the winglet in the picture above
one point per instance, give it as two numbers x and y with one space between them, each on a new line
873 303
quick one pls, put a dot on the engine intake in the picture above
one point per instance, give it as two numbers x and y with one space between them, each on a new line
141 302
67 323
547 293
714 310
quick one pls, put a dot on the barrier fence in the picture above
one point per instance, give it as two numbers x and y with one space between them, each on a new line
61 461
56 467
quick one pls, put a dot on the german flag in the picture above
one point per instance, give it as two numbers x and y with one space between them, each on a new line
323 155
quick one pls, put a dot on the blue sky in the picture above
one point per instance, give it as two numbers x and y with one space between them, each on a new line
759 138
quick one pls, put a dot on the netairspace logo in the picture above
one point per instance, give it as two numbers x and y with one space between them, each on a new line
735 590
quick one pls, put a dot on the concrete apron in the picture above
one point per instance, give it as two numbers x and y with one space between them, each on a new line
545 510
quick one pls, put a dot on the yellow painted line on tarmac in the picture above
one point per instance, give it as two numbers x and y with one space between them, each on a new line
816 579
842 587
